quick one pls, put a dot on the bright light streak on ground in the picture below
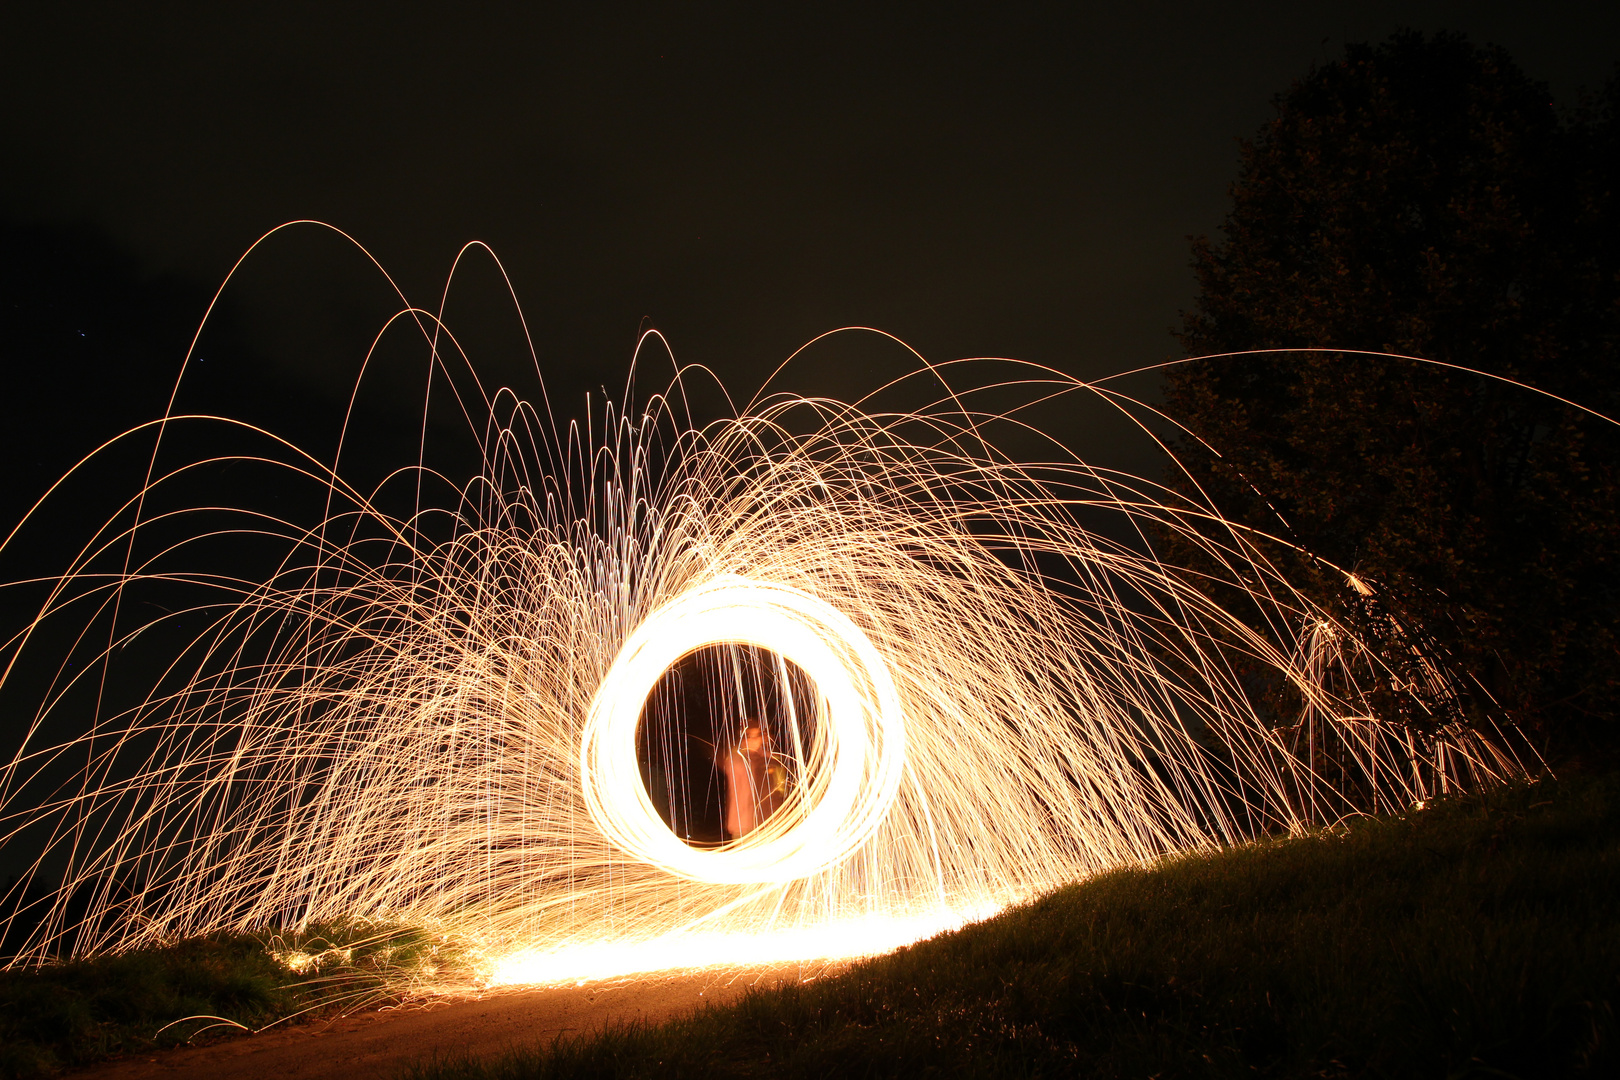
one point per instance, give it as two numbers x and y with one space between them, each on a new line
848 940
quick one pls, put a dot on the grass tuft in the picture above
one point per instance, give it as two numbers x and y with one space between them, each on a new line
74 1014
69 1015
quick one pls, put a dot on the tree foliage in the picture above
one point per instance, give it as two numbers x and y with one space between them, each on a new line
1424 197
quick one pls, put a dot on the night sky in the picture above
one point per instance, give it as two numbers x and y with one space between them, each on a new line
1017 181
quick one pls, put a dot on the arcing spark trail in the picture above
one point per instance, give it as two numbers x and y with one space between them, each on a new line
445 725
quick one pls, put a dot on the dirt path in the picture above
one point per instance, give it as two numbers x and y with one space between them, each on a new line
384 1043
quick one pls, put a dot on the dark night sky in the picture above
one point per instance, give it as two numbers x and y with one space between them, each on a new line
1018 181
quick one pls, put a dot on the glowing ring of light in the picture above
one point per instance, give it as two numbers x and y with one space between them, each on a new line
862 725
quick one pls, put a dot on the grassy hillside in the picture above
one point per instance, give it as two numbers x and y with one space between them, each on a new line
1479 937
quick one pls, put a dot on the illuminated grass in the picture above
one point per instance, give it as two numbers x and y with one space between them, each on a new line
78 1013
1482 934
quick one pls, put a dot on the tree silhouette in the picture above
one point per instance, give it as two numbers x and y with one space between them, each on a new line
1422 196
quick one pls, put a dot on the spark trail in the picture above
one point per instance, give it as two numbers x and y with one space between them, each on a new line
442 716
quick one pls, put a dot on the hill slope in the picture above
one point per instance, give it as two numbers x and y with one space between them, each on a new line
1478 937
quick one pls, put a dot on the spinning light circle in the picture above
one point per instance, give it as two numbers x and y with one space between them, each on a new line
850 773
